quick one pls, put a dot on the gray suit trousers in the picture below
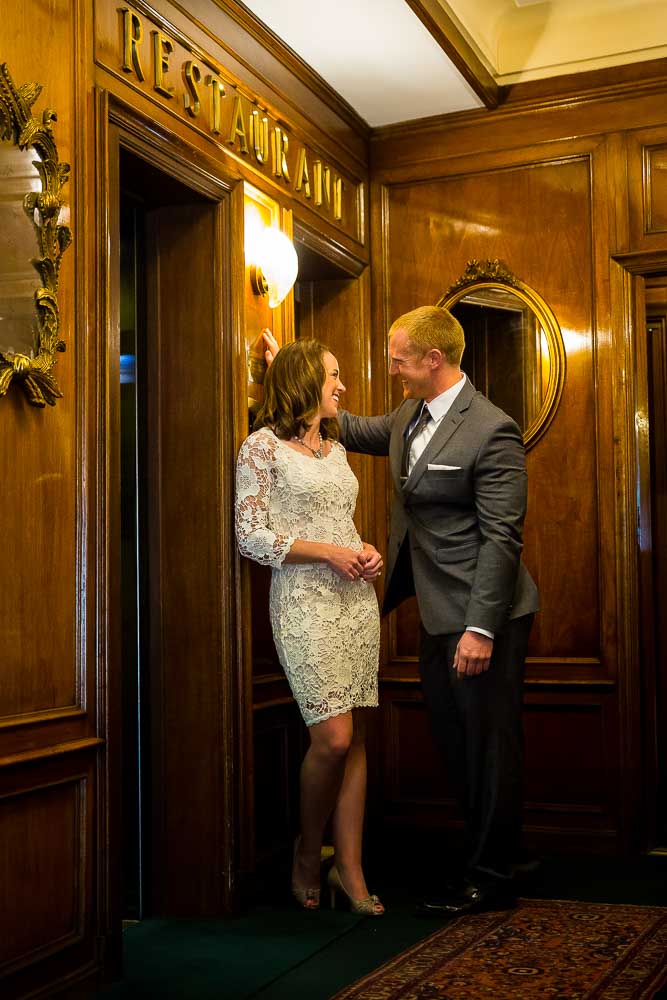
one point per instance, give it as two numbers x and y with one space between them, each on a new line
477 725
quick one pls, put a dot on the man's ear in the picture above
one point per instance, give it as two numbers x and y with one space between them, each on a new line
436 357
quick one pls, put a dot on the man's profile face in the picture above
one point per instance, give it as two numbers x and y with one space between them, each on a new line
413 369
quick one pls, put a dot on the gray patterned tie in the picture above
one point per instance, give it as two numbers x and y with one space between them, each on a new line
424 418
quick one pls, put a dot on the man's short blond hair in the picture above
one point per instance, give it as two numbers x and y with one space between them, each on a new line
432 326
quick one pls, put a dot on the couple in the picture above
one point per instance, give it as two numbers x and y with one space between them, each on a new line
457 464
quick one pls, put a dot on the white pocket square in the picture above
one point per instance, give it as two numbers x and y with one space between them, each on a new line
444 468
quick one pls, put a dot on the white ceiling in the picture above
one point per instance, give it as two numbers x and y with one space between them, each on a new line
379 56
375 53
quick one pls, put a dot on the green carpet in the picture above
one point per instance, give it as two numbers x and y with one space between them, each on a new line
225 960
279 952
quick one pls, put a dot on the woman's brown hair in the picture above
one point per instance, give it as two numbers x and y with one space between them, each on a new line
293 391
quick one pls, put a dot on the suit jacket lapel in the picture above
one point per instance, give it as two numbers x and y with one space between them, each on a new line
447 426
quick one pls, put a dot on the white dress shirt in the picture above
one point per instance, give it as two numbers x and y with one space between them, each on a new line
438 408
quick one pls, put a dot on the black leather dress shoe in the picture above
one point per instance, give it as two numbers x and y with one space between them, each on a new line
472 898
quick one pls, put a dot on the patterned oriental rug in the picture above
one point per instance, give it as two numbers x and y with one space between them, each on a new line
551 949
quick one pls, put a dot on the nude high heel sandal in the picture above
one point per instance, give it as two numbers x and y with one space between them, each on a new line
367 907
308 898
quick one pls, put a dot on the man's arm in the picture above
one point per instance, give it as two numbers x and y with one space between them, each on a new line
368 435
500 499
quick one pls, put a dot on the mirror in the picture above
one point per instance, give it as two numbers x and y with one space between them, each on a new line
32 241
514 348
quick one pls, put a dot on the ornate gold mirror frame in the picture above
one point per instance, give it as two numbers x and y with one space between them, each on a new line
485 280
34 371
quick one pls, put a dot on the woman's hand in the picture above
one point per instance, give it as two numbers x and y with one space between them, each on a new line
372 561
347 563
272 346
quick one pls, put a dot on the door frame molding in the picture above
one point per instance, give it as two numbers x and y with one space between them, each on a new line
634 535
119 125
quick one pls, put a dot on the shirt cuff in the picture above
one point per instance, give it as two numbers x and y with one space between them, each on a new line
482 631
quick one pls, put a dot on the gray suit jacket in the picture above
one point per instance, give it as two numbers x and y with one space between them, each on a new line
464 524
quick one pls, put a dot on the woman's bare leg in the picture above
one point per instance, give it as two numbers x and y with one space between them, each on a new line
322 773
348 816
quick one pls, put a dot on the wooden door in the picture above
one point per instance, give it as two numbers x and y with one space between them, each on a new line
190 670
656 333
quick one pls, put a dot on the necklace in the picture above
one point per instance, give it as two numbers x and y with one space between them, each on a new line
315 452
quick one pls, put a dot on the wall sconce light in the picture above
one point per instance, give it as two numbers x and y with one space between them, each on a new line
274 265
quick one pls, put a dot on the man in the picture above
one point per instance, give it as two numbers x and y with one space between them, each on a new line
458 469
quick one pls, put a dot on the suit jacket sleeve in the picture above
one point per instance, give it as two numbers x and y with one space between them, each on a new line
368 435
500 499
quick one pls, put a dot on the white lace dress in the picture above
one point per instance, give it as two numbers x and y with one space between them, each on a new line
326 630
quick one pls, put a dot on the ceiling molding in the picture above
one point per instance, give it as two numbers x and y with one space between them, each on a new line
456 47
620 83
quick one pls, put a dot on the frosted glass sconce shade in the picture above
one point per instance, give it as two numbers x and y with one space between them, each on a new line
274 265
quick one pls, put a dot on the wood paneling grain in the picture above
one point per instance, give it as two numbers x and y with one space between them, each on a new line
42 881
433 229
415 772
552 187
38 597
185 575
646 150
280 739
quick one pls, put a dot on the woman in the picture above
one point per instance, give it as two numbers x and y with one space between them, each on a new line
295 499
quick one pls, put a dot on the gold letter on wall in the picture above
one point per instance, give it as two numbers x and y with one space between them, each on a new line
338 199
191 100
237 127
259 136
132 35
217 91
279 145
162 49
302 180
322 181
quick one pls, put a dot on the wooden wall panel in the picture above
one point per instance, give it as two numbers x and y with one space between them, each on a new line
280 738
415 776
647 176
48 911
578 776
47 870
187 496
48 703
339 320
477 186
58 604
492 214
38 598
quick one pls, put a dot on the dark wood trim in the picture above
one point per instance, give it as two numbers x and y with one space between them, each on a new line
329 249
634 568
647 73
456 47
237 731
54 750
643 263
107 520
49 715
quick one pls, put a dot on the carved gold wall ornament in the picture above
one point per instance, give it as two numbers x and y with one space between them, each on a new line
489 270
27 356
514 346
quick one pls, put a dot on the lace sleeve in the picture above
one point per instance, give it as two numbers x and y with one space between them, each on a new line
255 470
